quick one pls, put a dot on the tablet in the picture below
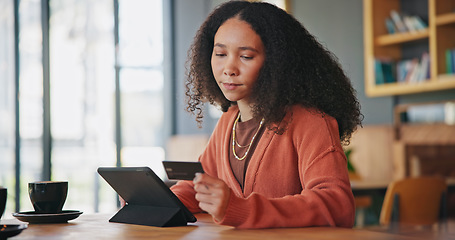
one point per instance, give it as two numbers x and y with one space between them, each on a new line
146 195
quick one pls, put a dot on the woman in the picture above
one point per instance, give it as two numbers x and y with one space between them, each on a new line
275 157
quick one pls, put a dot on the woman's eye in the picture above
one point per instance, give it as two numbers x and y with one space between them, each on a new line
247 57
220 54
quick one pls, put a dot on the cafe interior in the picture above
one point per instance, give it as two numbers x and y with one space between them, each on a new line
85 84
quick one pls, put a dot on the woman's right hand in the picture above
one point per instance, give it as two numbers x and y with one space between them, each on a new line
213 195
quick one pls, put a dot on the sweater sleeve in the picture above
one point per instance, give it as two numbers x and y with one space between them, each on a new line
326 201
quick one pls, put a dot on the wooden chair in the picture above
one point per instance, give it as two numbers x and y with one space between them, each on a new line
415 201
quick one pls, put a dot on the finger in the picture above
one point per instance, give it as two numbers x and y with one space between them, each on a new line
202 188
202 197
214 210
207 207
202 178
202 182
213 199
197 177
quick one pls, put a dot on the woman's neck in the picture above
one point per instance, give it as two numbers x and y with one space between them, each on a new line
246 112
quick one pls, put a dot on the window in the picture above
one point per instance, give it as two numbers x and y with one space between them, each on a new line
31 96
140 63
7 112
82 91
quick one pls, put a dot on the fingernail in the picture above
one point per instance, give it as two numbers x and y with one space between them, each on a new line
196 177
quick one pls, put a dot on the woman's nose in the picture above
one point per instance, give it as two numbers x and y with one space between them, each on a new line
230 68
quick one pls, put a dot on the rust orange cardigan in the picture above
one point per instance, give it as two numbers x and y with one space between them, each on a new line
296 179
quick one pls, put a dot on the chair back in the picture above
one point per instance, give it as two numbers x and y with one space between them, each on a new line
417 201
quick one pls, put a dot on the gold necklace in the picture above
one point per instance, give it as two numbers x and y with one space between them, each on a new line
234 141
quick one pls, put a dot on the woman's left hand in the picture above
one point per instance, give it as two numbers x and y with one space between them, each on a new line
213 195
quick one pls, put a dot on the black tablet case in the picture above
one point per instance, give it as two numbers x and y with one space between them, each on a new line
150 201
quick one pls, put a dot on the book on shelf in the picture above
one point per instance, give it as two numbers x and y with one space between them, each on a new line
378 73
430 113
414 70
419 23
399 22
391 29
385 71
433 113
389 70
450 61
453 60
409 24
405 71
424 68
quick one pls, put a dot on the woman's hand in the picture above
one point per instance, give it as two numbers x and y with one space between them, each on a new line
213 195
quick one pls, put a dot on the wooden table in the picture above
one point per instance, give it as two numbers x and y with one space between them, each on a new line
96 226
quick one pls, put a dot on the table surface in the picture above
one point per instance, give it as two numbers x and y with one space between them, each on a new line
97 226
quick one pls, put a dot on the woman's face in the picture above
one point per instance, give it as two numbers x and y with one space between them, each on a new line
237 57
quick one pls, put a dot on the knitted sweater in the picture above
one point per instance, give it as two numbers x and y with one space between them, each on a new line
296 179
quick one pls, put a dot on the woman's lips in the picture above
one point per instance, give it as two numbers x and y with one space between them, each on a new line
230 86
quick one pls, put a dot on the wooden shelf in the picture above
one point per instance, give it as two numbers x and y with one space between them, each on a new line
448 18
443 82
435 40
399 38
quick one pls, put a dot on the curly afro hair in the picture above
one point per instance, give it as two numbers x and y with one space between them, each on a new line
297 70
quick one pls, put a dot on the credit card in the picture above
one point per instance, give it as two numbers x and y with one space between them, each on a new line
176 170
